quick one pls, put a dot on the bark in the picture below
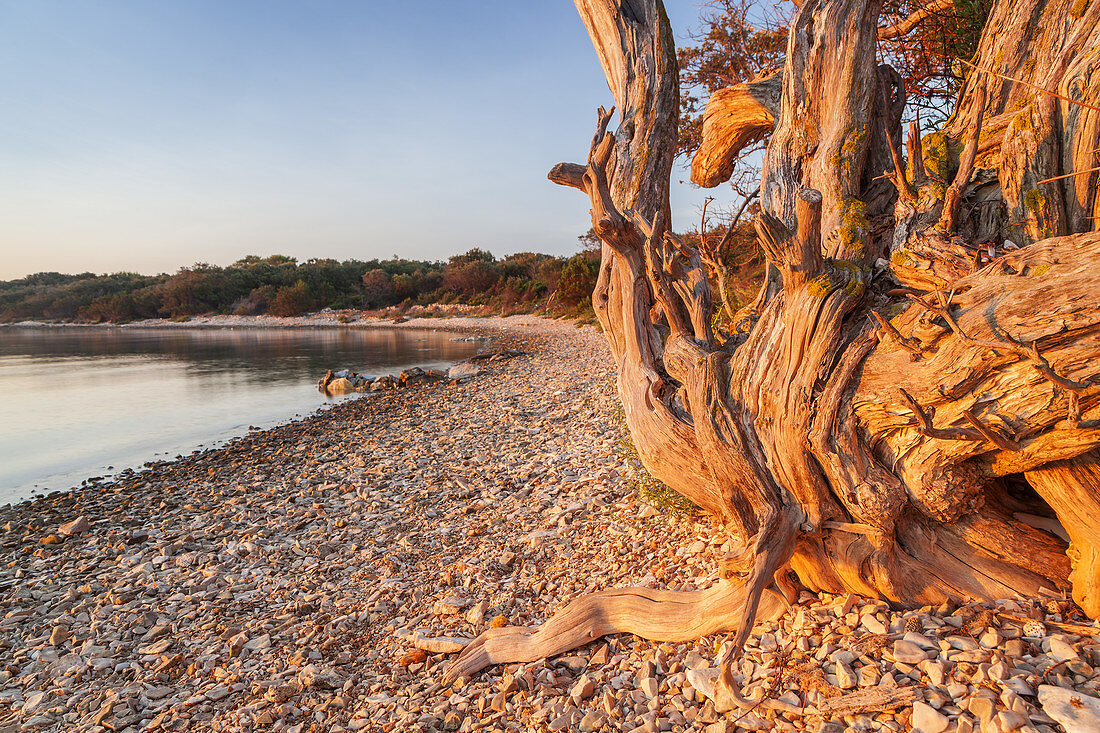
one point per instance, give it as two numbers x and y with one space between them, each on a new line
929 443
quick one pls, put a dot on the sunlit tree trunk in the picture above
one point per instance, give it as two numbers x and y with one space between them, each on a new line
910 407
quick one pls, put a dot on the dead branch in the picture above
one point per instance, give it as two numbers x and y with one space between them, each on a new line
904 26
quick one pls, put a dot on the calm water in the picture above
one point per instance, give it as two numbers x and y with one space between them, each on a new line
76 403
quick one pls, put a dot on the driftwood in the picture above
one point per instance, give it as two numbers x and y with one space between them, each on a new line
911 408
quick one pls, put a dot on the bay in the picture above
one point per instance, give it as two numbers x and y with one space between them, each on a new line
77 402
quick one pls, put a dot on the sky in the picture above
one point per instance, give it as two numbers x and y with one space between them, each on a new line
144 136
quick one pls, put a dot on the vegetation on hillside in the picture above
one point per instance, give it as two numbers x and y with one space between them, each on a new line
282 286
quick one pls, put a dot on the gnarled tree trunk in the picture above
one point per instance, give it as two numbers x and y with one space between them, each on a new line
923 443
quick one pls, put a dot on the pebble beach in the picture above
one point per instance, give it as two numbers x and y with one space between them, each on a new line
319 576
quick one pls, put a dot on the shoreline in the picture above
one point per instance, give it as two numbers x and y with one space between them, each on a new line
483 331
458 323
319 575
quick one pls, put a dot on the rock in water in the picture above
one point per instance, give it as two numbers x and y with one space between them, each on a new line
341 385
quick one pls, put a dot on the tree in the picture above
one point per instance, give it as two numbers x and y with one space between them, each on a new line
913 412
578 278
377 288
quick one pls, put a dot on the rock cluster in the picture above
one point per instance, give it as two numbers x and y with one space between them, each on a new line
319 575
346 381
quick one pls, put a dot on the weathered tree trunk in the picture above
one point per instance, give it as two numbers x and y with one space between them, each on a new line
922 444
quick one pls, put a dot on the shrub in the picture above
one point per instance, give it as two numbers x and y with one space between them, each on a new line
578 279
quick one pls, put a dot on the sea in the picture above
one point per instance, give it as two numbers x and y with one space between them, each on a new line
81 402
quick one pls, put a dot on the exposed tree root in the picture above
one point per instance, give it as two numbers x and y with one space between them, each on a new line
656 615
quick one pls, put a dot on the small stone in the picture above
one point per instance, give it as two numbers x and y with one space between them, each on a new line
281 693
452 721
1076 711
259 643
236 644
1011 720
441 644
476 614
460 372
37 721
873 625
908 653
649 687
845 678
50 540
591 721
416 656
935 671
320 678
78 526
157 647
1035 629
217 693
868 675
59 636
982 708
991 639
1062 651
926 719
583 689
450 605
34 702
1079 667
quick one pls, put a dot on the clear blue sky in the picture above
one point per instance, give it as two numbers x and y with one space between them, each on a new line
143 136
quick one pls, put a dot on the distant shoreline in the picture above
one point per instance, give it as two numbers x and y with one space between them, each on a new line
458 323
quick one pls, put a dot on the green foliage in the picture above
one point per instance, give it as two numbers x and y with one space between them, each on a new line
283 286
651 490
578 279
293 300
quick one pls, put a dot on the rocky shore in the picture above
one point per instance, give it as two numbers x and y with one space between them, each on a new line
319 575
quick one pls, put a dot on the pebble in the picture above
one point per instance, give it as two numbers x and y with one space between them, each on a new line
78 526
1077 712
927 719
1061 651
908 653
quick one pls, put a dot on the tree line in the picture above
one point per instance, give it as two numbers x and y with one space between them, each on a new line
282 286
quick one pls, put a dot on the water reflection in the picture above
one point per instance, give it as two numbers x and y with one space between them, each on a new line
75 401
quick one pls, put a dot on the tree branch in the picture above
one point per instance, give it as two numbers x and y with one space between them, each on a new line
568 174
902 27
953 197
734 118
